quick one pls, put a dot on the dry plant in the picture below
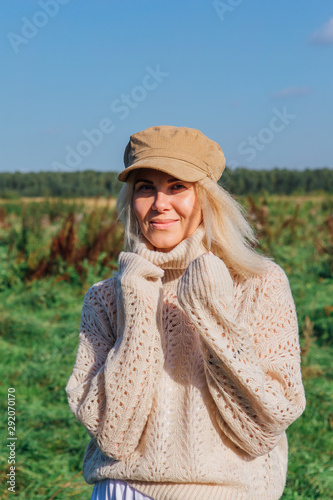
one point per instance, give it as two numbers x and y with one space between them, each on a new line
308 370
101 237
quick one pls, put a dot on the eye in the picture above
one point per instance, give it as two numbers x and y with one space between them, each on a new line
144 188
178 186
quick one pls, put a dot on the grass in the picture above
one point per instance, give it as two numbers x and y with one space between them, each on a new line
39 324
39 341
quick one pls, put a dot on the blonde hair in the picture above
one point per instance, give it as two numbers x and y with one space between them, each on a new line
227 233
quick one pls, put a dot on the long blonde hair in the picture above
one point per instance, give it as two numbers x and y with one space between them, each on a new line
227 233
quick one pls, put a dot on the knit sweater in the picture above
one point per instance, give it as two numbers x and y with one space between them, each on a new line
187 376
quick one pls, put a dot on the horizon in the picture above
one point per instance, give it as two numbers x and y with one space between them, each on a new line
231 170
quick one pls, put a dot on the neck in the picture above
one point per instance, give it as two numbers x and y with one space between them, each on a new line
176 260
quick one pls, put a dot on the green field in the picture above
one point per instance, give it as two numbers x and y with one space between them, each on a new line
52 251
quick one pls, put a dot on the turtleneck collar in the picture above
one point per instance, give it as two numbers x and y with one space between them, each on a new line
176 261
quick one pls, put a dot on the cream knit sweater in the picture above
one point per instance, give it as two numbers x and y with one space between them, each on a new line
186 377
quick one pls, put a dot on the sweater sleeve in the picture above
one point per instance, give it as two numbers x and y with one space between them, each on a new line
118 363
255 380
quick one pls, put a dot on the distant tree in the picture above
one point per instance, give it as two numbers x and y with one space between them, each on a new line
88 183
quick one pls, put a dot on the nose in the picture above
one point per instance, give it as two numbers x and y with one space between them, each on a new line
161 201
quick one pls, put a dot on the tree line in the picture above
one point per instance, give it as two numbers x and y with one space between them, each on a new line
240 181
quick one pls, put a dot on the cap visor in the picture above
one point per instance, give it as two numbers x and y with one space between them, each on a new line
177 168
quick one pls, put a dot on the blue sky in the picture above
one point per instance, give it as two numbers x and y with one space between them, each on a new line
81 76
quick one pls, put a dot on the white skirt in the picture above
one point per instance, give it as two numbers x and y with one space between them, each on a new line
110 489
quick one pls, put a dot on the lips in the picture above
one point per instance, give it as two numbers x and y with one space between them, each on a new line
162 224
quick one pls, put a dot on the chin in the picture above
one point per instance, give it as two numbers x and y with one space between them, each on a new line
166 245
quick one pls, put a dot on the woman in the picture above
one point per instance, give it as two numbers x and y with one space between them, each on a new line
188 368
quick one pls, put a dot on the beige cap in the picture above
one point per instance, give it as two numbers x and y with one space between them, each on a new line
185 153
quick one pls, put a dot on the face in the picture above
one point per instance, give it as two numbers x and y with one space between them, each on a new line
166 208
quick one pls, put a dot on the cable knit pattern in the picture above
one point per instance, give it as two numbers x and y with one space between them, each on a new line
186 376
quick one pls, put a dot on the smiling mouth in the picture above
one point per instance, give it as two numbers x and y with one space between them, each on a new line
162 224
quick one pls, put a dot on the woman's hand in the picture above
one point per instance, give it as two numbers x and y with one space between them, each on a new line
133 268
205 276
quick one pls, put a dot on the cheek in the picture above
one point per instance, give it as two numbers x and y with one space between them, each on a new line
140 209
190 209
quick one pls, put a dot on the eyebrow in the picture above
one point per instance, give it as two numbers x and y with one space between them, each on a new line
173 179
143 180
